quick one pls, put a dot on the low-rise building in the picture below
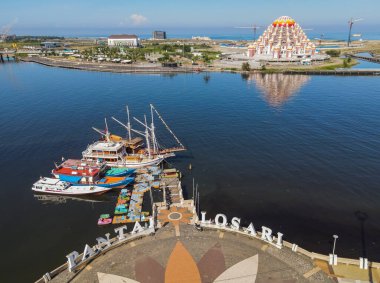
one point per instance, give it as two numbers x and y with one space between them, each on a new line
130 40
50 44
159 35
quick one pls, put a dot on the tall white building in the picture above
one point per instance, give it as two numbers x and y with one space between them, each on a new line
130 40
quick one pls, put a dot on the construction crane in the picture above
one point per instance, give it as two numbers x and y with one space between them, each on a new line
254 28
350 24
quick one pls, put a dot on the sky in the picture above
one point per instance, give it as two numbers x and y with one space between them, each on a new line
75 17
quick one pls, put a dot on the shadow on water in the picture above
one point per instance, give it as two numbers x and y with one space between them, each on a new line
206 78
362 217
60 199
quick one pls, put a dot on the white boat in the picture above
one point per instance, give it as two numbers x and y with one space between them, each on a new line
131 152
58 187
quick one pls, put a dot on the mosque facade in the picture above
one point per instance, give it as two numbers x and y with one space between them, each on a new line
283 39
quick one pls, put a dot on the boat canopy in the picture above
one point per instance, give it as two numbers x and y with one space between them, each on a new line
71 179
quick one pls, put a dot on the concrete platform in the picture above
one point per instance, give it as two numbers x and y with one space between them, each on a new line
189 255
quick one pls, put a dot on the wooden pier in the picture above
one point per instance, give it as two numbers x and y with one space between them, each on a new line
6 55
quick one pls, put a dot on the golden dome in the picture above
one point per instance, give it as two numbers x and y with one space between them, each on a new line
284 21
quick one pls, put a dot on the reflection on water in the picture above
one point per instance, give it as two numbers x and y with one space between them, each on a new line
56 199
278 88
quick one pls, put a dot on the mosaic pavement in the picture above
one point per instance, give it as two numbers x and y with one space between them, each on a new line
196 256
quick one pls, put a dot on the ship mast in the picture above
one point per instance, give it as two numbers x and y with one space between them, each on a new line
182 147
129 125
147 136
152 130
128 128
107 133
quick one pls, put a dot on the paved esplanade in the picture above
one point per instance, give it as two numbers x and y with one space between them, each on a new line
189 255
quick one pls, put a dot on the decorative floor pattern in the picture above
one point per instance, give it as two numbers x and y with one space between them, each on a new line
175 215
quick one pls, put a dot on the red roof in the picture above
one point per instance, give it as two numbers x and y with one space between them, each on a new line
76 167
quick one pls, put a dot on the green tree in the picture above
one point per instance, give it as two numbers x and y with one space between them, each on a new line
187 48
206 58
165 58
246 67
345 63
333 53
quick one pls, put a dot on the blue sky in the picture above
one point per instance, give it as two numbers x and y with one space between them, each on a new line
97 17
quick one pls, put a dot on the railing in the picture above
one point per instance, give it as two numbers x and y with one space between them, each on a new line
114 243
311 255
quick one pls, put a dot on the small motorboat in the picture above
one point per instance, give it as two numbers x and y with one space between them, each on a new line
121 209
119 172
105 219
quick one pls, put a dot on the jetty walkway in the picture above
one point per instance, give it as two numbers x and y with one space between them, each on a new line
365 58
337 72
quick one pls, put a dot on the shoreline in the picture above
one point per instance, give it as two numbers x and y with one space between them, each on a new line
118 68
110 68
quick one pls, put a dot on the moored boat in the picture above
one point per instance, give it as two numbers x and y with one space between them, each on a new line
104 219
114 182
84 173
56 186
119 172
131 152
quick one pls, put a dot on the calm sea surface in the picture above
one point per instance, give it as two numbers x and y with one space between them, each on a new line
299 154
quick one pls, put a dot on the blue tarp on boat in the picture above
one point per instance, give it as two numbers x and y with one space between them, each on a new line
123 182
119 173
70 179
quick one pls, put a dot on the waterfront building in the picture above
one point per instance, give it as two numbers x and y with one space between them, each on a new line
130 40
50 44
204 38
283 39
159 35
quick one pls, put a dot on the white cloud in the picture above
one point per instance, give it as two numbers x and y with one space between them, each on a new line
138 19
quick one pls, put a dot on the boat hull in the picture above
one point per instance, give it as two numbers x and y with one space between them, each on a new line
75 191
115 185
136 165
107 184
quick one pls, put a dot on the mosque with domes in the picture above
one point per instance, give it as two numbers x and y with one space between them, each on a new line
284 40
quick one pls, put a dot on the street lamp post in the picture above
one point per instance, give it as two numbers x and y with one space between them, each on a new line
333 257
335 237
